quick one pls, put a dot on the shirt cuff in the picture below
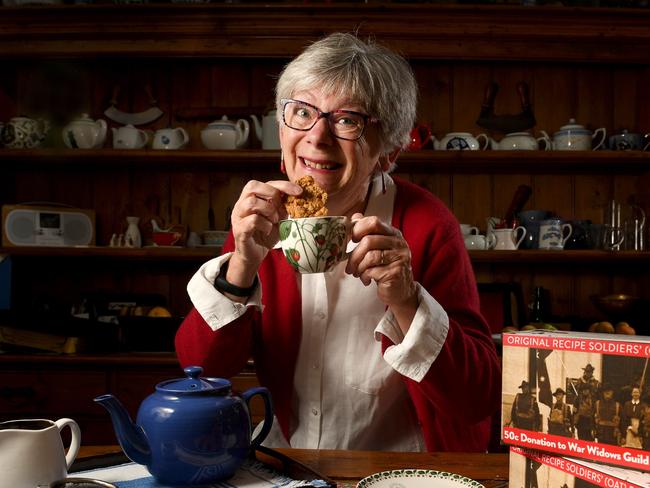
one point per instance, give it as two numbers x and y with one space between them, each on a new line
413 354
215 308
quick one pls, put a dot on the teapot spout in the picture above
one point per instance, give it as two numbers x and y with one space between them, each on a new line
130 436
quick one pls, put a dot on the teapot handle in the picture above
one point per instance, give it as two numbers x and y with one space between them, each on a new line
268 412
603 133
243 129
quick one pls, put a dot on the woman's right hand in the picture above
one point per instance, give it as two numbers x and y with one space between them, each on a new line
255 218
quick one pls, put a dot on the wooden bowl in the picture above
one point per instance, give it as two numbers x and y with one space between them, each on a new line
616 304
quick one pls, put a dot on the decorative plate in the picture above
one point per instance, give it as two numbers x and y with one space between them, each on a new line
417 478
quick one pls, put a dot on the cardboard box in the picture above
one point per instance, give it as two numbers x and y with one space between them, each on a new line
570 393
533 469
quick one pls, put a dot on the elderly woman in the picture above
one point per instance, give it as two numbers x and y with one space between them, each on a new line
388 351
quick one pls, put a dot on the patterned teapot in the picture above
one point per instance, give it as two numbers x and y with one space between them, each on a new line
24 133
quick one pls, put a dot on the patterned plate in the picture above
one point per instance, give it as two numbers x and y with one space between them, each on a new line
417 478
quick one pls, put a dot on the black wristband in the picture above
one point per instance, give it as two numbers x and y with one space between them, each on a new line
221 284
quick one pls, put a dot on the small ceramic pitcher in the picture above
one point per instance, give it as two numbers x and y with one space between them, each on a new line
32 452
129 137
170 138
507 240
553 234
461 141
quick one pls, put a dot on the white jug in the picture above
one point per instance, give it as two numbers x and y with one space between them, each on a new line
32 452
459 141
506 239
171 138
268 132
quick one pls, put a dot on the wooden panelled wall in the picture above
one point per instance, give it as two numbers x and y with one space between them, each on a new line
608 96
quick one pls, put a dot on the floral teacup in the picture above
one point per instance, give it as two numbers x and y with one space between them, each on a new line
314 244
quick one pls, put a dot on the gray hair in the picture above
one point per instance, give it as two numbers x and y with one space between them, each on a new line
380 80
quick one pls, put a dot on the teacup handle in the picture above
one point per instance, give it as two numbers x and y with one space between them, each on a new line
523 234
75 440
564 227
603 133
268 412
486 141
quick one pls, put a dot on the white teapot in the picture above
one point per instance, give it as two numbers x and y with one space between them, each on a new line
268 130
459 141
521 141
85 133
129 137
225 134
575 137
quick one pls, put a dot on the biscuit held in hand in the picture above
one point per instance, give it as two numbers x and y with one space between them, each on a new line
310 203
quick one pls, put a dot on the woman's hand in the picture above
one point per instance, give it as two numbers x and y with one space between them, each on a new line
383 255
254 221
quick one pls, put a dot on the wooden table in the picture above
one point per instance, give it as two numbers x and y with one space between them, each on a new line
346 468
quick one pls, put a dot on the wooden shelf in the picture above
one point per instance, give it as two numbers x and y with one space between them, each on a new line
281 30
547 162
116 253
203 254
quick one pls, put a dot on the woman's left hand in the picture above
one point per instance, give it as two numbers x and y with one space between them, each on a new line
383 255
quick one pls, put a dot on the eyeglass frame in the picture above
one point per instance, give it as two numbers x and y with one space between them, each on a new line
366 118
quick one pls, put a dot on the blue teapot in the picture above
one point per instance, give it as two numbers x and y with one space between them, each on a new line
190 431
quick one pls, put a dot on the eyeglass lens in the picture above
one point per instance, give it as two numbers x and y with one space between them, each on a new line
343 124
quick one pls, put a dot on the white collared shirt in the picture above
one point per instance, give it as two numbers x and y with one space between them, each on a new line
343 386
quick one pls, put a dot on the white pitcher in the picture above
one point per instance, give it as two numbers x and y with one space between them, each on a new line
32 452
507 240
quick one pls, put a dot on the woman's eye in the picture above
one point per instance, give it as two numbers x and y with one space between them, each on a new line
303 112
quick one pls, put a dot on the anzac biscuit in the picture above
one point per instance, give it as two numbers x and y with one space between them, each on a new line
310 203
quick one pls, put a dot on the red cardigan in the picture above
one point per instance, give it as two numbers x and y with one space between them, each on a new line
461 390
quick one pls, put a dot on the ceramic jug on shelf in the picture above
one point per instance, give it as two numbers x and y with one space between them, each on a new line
85 133
267 131
508 239
24 133
132 236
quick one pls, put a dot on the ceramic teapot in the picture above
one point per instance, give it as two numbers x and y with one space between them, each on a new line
268 130
459 141
226 134
24 133
521 141
129 137
85 133
190 431
576 137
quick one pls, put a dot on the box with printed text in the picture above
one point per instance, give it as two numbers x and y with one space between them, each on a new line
581 395
534 469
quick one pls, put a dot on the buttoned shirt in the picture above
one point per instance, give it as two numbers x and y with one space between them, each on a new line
342 383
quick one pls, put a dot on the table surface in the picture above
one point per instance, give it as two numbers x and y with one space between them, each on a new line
346 468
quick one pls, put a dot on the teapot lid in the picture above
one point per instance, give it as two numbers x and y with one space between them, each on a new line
224 123
194 384
573 127
84 118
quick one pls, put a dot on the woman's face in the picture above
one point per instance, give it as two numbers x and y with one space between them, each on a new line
340 167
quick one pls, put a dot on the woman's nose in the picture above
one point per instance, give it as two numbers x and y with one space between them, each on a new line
320 133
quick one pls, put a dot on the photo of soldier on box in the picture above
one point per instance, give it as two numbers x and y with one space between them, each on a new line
577 401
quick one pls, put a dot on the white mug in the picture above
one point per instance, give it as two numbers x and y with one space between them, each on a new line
32 452
176 138
506 239
553 234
